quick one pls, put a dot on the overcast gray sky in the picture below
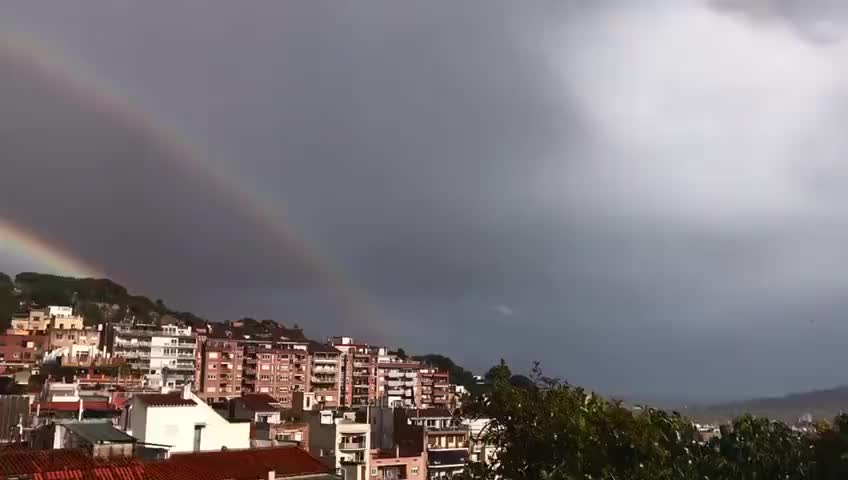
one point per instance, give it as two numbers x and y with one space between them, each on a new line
648 197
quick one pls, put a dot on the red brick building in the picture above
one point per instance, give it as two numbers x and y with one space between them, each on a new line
21 350
325 377
276 370
435 388
358 372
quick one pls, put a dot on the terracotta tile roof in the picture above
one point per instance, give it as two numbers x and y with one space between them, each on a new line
228 465
259 402
67 464
433 413
237 465
315 347
165 400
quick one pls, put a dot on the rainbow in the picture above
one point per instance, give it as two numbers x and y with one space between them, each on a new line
18 239
25 53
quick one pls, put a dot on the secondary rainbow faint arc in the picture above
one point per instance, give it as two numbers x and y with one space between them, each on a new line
80 83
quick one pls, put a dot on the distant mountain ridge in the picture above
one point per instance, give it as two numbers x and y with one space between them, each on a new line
822 404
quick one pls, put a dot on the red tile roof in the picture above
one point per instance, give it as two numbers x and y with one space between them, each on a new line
237 465
227 465
67 465
432 413
71 406
165 400
259 402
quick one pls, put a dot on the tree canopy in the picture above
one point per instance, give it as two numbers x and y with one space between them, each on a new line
558 431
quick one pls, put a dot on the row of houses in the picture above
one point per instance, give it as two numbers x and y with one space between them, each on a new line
371 443
169 388
225 360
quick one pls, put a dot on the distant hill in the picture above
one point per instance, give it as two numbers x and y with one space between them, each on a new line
101 299
822 404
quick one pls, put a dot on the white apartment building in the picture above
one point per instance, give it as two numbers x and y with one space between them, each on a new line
353 447
165 355
184 423
63 318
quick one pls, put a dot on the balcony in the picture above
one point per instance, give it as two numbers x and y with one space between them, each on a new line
395 392
141 343
352 445
324 380
330 361
411 375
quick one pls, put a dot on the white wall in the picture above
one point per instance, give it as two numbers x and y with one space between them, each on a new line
175 426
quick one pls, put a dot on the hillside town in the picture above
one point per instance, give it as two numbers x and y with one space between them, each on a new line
165 398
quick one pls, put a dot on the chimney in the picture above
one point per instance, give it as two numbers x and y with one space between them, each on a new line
187 391
272 475
80 410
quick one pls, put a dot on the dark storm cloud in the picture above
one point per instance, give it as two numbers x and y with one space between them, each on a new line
630 182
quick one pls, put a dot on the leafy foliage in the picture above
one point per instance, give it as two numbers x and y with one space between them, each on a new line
557 431
8 303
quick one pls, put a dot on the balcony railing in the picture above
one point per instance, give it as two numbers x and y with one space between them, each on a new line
351 445
323 379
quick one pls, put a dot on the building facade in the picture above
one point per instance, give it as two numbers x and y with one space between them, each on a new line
435 388
164 354
221 369
277 370
358 372
75 347
21 350
325 376
397 381
182 422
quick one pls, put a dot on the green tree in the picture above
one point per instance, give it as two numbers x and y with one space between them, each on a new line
8 302
558 431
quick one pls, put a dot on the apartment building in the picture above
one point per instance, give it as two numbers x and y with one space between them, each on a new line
358 372
221 369
21 350
63 318
36 320
75 346
325 374
397 464
277 368
342 442
184 423
446 441
164 353
397 380
435 388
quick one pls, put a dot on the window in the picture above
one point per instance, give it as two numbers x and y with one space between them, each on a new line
213 354
413 470
210 389
211 376
373 472
213 366
264 377
283 389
